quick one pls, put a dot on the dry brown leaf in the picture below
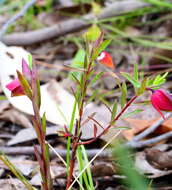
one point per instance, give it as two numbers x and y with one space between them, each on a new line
165 127
56 101
137 126
29 134
8 113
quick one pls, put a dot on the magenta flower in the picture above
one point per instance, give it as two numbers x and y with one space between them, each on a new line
161 101
15 88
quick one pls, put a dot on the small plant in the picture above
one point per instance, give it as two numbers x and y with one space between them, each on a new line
27 83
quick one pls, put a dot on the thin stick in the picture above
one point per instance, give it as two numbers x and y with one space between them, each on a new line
72 25
140 144
151 129
17 16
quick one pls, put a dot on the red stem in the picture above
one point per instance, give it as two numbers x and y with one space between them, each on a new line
72 163
115 119
78 125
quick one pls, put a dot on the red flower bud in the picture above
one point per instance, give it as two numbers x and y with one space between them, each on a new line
105 59
15 88
161 101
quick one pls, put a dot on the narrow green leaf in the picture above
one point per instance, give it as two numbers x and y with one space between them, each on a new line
44 123
141 90
16 172
134 82
114 110
93 33
93 96
38 93
125 115
165 75
123 128
25 85
160 3
96 78
102 47
30 61
75 78
123 95
47 156
78 62
35 125
136 74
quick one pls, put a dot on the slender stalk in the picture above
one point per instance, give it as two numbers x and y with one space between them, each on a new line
109 126
42 154
77 135
73 157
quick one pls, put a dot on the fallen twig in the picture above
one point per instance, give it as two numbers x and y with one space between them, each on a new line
136 143
141 144
17 16
72 25
28 150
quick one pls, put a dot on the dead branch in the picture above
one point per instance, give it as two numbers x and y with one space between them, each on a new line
136 143
17 16
141 144
28 150
72 25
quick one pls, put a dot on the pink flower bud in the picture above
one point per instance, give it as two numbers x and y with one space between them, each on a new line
161 101
15 88
26 70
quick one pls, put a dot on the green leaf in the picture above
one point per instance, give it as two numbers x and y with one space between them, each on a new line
123 128
44 123
123 95
47 156
160 3
96 78
79 58
2 97
93 33
16 172
114 111
96 8
134 82
93 96
141 90
157 81
38 93
25 85
78 62
136 74
30 61
99 49
125 115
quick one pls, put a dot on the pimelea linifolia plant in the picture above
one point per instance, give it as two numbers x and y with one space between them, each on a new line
27 83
